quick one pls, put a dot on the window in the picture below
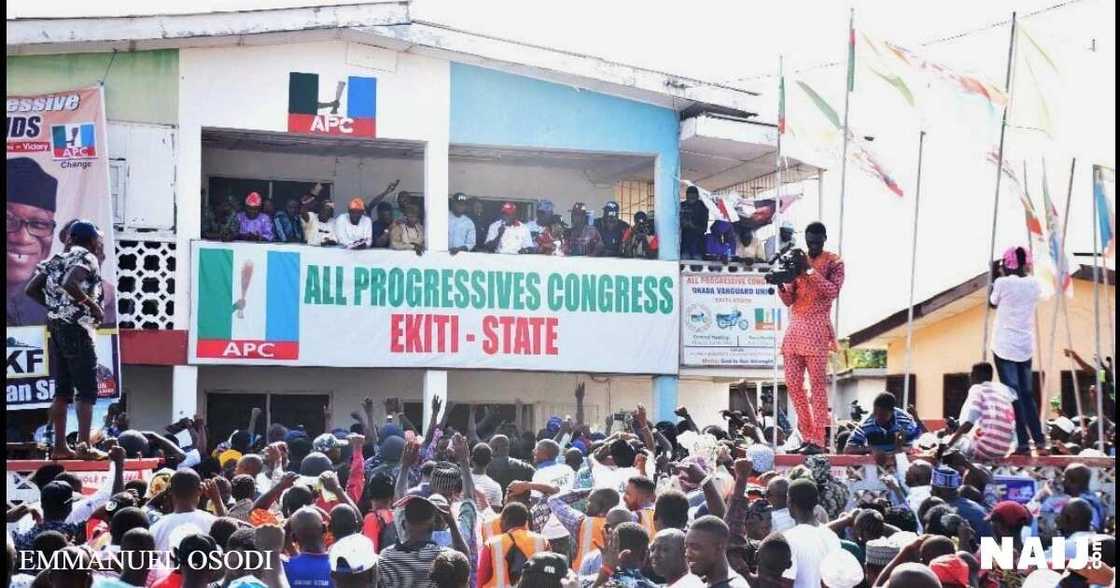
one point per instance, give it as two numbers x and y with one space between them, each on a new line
894 386
228 412
633 197
1069 403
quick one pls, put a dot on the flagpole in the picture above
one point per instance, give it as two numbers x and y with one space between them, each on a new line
999 176
1097 361
843 193
777 222
1062 292
913 276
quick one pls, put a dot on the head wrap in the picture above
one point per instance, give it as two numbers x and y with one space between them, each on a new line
446 479
29 184
945 477
840 569
762 457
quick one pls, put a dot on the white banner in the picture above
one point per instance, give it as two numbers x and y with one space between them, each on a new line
273 304
730 320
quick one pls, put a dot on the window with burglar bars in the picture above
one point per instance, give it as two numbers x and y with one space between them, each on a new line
632 197
751 188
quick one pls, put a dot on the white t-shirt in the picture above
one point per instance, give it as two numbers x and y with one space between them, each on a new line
350 234
490 489
563 477
810 544
688 581
515 238
176 523
780 520
1015 299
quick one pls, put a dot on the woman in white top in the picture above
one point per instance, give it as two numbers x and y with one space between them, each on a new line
1015 295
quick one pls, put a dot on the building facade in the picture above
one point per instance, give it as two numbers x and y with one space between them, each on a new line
206 112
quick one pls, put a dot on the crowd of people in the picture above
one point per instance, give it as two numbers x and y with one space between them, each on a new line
725 241
627 502
378 224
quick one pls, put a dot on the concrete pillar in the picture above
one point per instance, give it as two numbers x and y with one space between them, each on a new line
435 384
184 392
665 398
435 195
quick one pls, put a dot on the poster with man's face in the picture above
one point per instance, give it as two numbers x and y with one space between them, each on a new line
57 172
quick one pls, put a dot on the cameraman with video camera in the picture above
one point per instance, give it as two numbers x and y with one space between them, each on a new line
816 282
640 240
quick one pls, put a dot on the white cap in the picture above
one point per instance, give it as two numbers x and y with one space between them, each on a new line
840 569
353 554
1064 424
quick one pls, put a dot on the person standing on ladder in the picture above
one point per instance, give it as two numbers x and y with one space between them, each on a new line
1015 294
810 337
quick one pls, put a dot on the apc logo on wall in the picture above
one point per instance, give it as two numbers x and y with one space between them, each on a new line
74 141
308 113
248 304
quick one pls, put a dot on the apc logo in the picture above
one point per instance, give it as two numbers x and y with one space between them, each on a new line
309 112
74 141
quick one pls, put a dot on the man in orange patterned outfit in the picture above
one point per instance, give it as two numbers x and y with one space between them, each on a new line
810 338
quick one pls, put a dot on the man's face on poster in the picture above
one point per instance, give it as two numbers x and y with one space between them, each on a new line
30 230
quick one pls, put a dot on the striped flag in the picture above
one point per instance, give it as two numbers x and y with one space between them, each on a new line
861 153
782 105
1044 268
1062 279
851 54
895 64
1104 192
248 303
1034 224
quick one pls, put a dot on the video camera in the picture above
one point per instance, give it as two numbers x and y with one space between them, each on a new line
791 261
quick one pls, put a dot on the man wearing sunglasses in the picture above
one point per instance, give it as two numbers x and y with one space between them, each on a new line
31 198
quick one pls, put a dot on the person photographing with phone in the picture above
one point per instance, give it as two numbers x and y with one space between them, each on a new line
810 337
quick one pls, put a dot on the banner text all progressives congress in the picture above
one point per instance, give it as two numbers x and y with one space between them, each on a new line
510 300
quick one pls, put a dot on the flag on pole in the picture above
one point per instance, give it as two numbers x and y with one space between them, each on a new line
781 105
1044 268
895 64
1034 224
861 152
851 53
1036 82
721 207
1104 191
1062 279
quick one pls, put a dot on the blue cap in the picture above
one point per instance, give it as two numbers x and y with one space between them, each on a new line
544 206
554 424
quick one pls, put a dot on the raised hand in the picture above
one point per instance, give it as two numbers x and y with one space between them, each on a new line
742 468
581 390
640 415
681 412
117 455
410 454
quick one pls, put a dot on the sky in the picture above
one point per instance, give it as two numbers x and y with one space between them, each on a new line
738 43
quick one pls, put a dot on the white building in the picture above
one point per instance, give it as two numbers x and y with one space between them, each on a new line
203 106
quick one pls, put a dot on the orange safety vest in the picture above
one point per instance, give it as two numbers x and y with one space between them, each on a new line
527 541
490 527
590 537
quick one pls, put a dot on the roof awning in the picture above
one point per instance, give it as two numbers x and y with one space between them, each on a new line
718 151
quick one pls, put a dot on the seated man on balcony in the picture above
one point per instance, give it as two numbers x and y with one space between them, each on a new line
748 248
460 227
219 223
583 239
252 224
286 225
544 217
381 225
317 219
612 230
551 240
508 234
354 229
408 233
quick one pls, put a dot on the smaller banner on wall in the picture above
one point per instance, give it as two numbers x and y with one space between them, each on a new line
730 320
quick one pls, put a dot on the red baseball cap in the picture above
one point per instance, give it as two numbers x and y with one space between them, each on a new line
253 199
1010 513
950 569
509 207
